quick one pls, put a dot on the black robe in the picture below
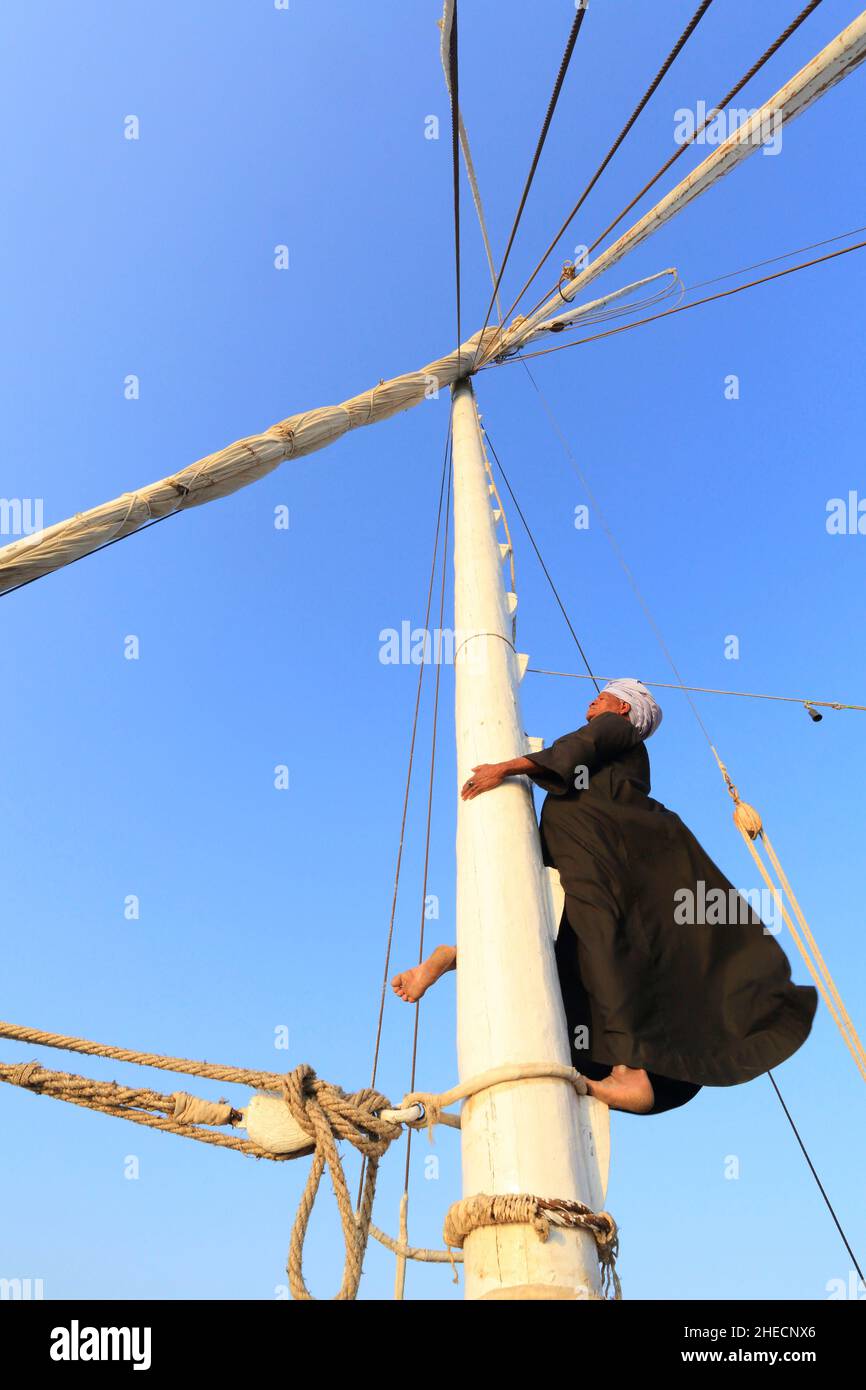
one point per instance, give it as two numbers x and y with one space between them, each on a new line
693 1004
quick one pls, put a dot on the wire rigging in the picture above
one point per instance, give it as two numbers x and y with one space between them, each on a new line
678 153
454 89
545 127
547 573
648 94
709 690
680 309
409 769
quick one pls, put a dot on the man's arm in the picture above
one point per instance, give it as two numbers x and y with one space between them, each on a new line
489 775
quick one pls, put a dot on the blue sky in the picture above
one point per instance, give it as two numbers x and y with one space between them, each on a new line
263 908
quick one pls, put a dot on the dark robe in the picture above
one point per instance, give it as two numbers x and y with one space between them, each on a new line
694 1004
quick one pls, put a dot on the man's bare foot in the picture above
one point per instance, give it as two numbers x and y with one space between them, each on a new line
412 984
627 1088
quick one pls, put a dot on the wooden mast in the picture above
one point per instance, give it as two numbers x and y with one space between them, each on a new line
524 1136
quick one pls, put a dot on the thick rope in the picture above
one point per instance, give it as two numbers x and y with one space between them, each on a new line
327 1113
541 1213
179 1112
750 826
498 1076
322 1110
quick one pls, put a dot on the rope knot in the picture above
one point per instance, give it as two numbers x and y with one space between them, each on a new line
326 1113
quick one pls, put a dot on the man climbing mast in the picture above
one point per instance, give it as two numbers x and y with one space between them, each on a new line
657 1006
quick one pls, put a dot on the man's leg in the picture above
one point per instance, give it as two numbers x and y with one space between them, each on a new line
412 984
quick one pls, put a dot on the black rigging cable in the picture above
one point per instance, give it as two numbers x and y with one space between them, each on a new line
455 162
711 116
583 655
650 91
681 309
409 770
815 1176
551 107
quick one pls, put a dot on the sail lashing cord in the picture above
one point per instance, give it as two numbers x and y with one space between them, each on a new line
518 1208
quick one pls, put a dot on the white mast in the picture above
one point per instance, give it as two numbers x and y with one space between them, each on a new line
524 1136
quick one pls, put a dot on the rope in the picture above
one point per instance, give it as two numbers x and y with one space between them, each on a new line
245 1076
815 1176
434 1103
547 573
404 1204
445 27
772 260
324 1111
750 826
178 1110
453 88
326 1114
545 127
711 116
662 72
521 1209
681 309
408 783
706 690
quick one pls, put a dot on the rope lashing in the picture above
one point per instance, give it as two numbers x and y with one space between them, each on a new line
322 1110
541 1213
177 1113
751 827
327 1113
497 1076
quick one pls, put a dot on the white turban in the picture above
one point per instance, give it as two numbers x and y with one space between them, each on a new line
644 713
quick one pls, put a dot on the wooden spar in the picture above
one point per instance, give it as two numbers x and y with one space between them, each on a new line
247 460
525 1136
839 58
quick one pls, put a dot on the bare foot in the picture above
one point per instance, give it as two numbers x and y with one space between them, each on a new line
627 1088
413 984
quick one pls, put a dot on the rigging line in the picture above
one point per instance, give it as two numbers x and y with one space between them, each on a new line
650 91
437 684
758 265
541 561
706 690
105 545
454 89
407 787
445 27
735 90
618 553
408 783
815 1176
545 127
680 309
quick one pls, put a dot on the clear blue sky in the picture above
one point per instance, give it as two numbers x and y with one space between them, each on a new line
262 908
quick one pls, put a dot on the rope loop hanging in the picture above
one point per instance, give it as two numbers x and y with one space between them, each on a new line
326 1113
